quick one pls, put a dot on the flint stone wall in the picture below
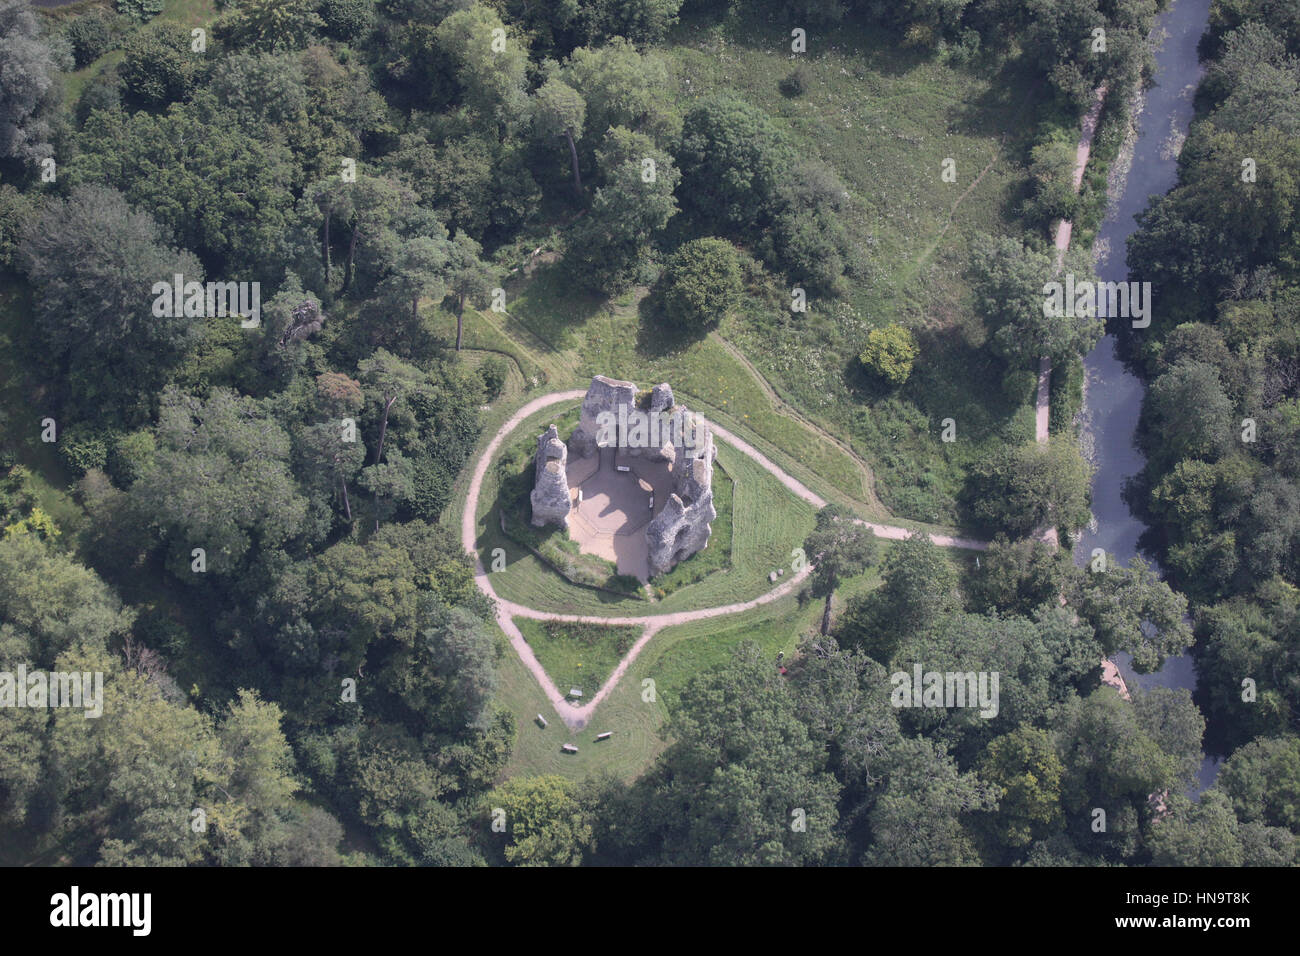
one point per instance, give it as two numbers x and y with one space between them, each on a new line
683 527
604 395
550 494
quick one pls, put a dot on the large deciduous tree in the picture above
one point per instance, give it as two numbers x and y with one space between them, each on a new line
559 110
1186 414
1024 767
30 64
607 245
93 261
921 817
839 548
733 161
622 87
220 480
745 767
920 586
223 193
1024 489
266 26
1011 295
1133 610
489 63
468 278
545 823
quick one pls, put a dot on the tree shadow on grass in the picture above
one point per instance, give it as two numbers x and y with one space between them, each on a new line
551 308
1016 95
656 337
768 28
864 385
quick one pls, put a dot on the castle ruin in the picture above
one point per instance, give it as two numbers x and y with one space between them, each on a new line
638 458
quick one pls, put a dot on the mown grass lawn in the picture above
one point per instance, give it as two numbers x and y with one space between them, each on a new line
637 713
575 337
634 724
678 653
580 656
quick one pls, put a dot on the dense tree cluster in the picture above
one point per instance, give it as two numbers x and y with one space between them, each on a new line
1221 488
276 478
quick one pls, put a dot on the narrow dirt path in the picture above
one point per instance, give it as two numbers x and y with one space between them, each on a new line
952 213
1064 230
576 717
893 532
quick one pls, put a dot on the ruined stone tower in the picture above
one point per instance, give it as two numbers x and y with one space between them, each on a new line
605 395
550 495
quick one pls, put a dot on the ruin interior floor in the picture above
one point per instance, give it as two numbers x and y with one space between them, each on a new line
610 520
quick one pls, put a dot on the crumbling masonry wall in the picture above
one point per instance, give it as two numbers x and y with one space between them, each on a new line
683 526
550 495
684 522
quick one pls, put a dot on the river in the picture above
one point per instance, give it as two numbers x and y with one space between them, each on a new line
1113 397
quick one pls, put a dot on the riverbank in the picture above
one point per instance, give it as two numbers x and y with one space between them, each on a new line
1112 403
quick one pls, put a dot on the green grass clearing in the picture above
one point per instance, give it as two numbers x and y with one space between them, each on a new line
580 656
670 659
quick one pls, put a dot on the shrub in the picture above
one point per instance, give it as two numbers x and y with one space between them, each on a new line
142 10
89 36
130 455
493 372
1052 172
700 282
808 240
81 452
795 82
889 353
104 94
919 35
15 210
1020 385
158 67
